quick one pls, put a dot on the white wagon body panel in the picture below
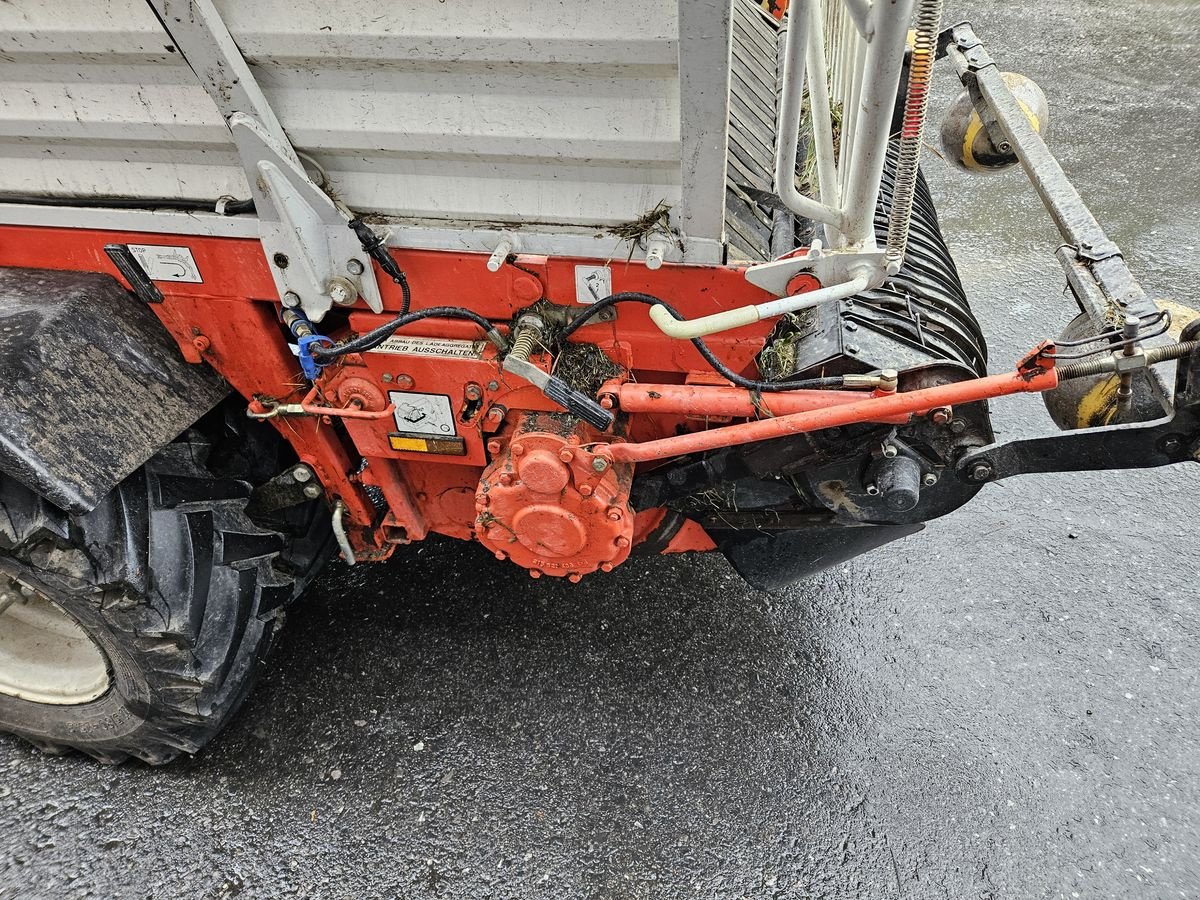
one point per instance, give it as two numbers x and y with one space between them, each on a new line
553 116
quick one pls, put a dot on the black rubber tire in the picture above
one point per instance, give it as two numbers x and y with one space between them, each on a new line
181 591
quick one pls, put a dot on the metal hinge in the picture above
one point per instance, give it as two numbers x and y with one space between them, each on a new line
314 257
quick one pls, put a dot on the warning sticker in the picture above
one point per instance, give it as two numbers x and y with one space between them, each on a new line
419 346
167 263
423 413
592 283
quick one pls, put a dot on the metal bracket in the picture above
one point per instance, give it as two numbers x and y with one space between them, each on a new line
1175 438
1098 250
829 266
314 257
306 237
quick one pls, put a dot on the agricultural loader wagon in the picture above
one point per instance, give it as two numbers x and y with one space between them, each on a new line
287 280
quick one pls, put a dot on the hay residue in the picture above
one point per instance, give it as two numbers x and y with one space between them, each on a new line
777 360
585 367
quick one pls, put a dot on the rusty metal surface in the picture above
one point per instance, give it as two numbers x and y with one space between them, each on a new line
91 385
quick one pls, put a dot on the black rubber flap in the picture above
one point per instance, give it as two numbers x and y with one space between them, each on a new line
773 560
91 384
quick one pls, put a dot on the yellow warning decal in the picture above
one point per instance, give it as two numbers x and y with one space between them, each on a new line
454 446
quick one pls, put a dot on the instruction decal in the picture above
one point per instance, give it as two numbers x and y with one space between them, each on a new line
167 263
592 283
423 413
419 346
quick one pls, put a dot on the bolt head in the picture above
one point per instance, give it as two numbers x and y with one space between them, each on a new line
493 447
606 567
890 451
929 480
566 455
981 471
493 385
290 300
341 291
585 490
312 491
599 464
575 578
404 382
872 490
622 541
302 474
506 479
941 416
473 392
614 514
534 573
355 267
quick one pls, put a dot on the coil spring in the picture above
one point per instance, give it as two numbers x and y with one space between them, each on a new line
916 105
524 343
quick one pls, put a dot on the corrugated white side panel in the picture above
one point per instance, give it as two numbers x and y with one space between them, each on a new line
529 112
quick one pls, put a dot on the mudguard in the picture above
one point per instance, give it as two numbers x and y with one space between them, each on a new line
91 384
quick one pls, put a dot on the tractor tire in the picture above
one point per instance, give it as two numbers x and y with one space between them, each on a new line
137 629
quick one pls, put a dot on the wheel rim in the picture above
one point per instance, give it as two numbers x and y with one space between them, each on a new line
45 655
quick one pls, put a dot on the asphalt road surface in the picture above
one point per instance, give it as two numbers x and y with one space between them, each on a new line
1003 707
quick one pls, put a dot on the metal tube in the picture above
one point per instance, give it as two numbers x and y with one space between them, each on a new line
868 410
712 400
686 329
788 143
860 13
880 79
818 101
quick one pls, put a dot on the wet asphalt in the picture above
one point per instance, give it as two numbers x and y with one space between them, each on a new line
1005 706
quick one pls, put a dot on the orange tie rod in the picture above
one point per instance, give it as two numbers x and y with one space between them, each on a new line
892 407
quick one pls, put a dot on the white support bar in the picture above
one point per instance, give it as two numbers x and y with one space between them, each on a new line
860 13
873 117
818 95
788 143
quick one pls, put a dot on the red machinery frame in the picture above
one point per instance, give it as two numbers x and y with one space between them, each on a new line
231 321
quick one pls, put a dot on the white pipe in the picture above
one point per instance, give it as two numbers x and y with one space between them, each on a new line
809 299
860 12
686 329
818 97
880 79
788 143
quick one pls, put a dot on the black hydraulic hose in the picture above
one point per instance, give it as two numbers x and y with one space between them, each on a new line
704 350
373 246
377 336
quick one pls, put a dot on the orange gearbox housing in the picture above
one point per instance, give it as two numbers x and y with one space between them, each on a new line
549 504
